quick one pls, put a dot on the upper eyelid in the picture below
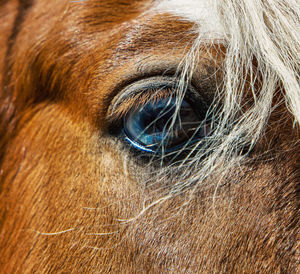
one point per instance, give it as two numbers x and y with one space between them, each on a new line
155 87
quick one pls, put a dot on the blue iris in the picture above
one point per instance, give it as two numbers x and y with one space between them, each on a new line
153 128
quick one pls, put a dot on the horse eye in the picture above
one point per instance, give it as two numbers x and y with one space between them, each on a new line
158 127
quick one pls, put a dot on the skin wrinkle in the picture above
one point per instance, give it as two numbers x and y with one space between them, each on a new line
74 198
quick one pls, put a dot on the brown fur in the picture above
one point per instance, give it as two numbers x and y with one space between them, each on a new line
64 186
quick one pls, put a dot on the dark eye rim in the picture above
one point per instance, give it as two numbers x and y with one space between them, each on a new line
148 86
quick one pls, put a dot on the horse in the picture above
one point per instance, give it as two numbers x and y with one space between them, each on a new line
149 136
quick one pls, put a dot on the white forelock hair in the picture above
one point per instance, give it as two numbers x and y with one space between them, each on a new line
262 31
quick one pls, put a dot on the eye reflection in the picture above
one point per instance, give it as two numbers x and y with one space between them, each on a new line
152 127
